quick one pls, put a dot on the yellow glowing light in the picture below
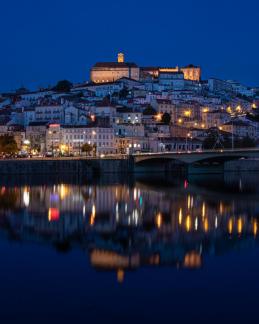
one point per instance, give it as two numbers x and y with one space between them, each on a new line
159 220
202 125
221 208
254 106
192 260
205 110
158 117
206 225
120 275
120 58
180 120
239 225
229 110
188 223
187 113
230 226
63 148
203 210
255 227
92 217
238 109
188 202
180 216
63 191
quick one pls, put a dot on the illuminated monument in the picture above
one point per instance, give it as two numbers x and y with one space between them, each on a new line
190 72
103 72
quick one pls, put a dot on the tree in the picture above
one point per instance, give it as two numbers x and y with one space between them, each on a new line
8 144
149 110
123 93
166 118
87 148
216 140
63 86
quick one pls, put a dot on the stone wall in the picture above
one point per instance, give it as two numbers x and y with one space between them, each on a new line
65 166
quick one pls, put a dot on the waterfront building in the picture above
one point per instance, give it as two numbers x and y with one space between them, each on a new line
36 134
69 139
240 128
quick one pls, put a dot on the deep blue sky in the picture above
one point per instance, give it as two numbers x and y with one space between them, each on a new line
44 41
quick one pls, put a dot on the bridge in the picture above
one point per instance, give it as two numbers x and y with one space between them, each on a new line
201 157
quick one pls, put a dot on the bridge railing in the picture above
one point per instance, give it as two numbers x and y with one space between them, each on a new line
235 150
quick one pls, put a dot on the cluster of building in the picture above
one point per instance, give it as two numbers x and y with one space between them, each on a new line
127 109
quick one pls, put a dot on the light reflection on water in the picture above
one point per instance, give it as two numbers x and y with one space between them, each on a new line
144 250
125 226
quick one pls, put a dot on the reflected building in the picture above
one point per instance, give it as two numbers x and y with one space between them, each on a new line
123 227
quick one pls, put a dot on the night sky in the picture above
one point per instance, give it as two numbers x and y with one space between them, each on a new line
45 41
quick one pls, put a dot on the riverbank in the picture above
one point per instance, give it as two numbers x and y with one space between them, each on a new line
121 166
65 166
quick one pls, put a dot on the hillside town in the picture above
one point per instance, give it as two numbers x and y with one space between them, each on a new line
127 109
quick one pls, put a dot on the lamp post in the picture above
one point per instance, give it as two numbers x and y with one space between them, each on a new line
186 143
232 137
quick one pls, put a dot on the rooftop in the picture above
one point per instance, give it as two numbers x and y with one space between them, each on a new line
115 65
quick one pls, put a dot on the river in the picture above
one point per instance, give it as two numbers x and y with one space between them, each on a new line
146 250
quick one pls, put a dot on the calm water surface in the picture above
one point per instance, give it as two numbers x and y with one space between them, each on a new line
144 250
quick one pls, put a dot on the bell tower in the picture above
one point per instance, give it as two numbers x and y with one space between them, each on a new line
120 58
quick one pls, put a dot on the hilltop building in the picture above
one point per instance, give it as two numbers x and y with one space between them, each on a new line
190 72
103 72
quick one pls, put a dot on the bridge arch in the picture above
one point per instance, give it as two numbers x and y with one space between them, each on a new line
194 157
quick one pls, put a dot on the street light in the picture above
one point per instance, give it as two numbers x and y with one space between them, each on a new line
188 135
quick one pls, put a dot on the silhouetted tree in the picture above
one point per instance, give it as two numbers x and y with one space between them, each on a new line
86 148
63 86
166 118
8 144
149 110
123 93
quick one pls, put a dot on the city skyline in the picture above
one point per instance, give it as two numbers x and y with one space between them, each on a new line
37 54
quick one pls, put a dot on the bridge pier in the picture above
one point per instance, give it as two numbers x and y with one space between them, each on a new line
205 168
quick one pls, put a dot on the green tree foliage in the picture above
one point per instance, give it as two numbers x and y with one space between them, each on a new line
63 86
87 148
166 118
149 110
8 144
